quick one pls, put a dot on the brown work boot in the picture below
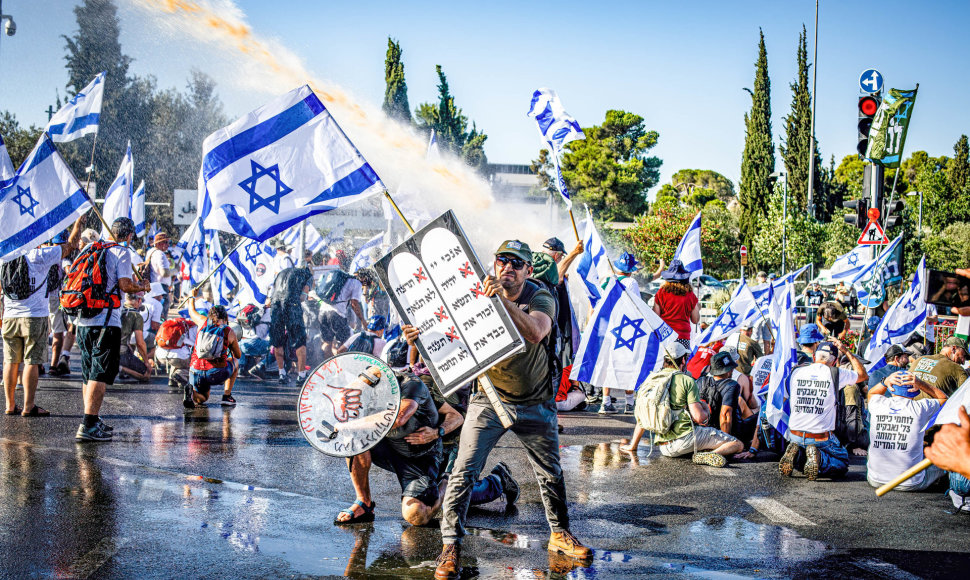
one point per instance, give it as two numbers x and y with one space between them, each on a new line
448 563
566 544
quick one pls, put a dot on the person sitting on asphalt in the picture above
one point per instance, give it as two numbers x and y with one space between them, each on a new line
211 364
722 394
898 423
697 365
570 396
897 359
178 358
748 394
808 339
748 350
689 433
813 408
371 340
944 370
255 341
132 333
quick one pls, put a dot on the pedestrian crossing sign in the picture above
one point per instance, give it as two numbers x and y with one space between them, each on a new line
873 235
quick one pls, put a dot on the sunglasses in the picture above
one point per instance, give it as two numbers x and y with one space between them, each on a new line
516 263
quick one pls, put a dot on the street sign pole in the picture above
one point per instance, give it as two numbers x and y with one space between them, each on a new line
744 260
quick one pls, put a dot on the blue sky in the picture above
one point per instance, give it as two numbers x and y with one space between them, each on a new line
680 65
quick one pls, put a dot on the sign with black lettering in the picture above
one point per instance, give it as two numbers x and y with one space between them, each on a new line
435 282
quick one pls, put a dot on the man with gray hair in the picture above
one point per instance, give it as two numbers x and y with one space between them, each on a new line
811 425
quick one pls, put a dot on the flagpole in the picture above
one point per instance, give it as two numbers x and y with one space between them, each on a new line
213 271
397 210
573 220
922 465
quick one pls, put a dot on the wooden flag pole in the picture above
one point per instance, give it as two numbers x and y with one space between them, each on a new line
573 220
407 224
903 477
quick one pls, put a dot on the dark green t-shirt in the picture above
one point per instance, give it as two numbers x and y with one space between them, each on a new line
524 378
941 372
131 320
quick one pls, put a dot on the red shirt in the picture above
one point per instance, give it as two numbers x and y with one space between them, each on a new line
675 310
699 362
201 364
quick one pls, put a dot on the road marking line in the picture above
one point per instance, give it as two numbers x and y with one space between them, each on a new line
88 564
777 512
721 471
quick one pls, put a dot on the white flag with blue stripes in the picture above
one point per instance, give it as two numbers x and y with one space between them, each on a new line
950 412
594 264
40 201
335 235
193 260
848 265
366 254
79 116
153 230
689 249
901 321
557 128
778 409
623 342
138 209
732 317
6 166
279 165
242 264
873 277
117 202
314 243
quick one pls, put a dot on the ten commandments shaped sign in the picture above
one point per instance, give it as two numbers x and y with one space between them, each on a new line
434 280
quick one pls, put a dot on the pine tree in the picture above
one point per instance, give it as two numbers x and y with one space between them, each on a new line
451 127
396 94
758 159
798 129
958 169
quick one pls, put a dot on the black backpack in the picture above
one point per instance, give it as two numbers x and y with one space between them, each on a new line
710 394
15 279
363 343
331 285
551 342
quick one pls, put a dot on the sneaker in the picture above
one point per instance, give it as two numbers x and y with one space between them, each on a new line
448 564
187 400
228 401
105 426
64 366
787 463
812 462
960 502
57 371
565 543
710 458
510 489
95 433
283 379
629 409
300 379
608 409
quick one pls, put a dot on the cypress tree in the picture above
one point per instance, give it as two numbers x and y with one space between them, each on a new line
396 94
758 159
798 131
958 169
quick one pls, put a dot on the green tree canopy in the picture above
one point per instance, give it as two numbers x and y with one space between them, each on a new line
758 158
451 127
396 94
796 145
655 236
691 179
805 238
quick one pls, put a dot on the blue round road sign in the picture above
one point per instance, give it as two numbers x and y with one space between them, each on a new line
871 81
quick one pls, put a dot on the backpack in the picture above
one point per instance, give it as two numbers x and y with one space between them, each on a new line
551 342
709 393
250 316
652 410
15 279
363 343
85 292
331 285
210 344
171 334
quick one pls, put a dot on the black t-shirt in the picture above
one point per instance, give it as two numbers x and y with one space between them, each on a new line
290 283
425 416
815 297
718 393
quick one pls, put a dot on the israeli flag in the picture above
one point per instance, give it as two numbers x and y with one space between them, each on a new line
689 249
778 410
335 235
314 243
732 317
6 166
242 265
152 229
365 255
79 116
138 209
279 165
848 265
594 264
623 343
874 275
193 264
901 321
557 128
41 199
117 202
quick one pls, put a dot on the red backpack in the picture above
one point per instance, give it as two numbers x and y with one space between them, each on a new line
171 335
85 292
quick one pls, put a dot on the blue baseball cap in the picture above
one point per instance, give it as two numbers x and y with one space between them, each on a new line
902 390
872 322
376 323
809 334
627 262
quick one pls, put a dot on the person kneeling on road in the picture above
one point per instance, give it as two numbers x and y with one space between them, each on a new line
813 407
211 364
411 450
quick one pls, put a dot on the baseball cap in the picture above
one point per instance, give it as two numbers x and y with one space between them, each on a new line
677 351
516 248
872 322
829 348
894 351
809 334
957 342
722 363
554 244
916 350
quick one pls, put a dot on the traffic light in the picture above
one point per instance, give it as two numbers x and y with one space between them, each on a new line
868 105
861 207
894 214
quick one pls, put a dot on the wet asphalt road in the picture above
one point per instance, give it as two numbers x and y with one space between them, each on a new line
237 493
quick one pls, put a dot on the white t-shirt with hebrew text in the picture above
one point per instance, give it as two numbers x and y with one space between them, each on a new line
813 397
896 436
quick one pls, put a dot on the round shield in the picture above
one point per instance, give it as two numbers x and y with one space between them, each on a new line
348 404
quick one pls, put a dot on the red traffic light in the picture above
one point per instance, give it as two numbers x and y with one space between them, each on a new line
868 106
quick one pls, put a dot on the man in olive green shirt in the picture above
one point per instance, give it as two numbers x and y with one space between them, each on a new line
524 384
748 351
944 370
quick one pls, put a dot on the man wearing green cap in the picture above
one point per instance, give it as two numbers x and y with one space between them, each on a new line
524 385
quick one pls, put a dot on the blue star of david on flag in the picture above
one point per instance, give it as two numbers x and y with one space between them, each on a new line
637 332
271 202
252 252
910 305
29 205
196 251
728 321
853 259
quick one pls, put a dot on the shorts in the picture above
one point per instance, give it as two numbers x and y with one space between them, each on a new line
58 321
286 325
202 381
25 340
100 348
333 327
707 438
130 361
418 476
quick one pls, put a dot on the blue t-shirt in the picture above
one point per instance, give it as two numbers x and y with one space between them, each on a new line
877 377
